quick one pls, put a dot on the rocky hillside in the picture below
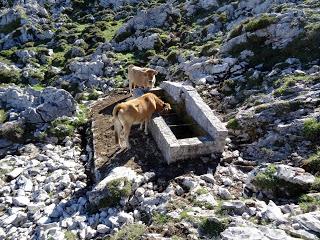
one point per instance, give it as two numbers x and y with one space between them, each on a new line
256 63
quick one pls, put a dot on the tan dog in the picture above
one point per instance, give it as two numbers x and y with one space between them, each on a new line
141 77
136 111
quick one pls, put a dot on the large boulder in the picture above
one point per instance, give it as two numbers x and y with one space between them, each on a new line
118 185
152 18
309 221
279 180
253 233
54 103
38 106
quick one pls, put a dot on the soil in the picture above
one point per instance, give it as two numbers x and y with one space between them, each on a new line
143 156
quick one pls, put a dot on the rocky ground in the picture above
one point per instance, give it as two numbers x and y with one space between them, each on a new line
255 63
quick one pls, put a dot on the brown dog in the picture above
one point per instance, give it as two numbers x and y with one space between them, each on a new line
141 77
136 111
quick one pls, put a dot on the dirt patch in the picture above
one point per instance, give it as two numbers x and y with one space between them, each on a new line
143 156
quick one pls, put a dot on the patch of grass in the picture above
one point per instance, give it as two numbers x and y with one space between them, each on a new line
201 191
130 232
93 95
160 219
316 185
111 29
117 189
68 235
62 128
233 123
38 87
313 162
311 129
266 179
10 76
212 227
3 116
259 23
309 203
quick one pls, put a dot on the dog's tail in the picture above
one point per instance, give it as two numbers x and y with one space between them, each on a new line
117 124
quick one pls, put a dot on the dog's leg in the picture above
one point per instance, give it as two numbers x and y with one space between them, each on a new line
141 125
127 129
146 127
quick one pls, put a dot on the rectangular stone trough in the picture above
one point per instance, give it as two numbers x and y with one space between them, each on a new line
191 129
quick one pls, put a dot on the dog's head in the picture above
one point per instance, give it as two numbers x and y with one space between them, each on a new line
151 77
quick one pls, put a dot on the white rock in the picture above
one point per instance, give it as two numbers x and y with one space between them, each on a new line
21 201
124 217
273 213
208 178
101 228
15 173
224 193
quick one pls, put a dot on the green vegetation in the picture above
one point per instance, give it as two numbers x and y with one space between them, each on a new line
267 179
38 87
259 23
316 185
252 25
130 232
233 123
201 191
117 189
311 129
309 203
10 75
68 235
313 162
212 227
61 128
3 116
93 95
160 219
111 29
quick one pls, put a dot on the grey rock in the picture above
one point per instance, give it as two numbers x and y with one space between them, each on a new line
224 193
103 229
309 221
21 201
208 178
236 207
15 173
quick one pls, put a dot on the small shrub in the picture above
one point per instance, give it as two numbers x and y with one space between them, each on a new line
267 179
93 95
68 235
10 76
172 56
117 189
313 162
236 31
130 232
160 219
212 227
309 203
62 128
311 129
316 185
259 23
233 123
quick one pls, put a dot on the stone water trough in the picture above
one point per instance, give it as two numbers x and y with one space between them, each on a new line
191 129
